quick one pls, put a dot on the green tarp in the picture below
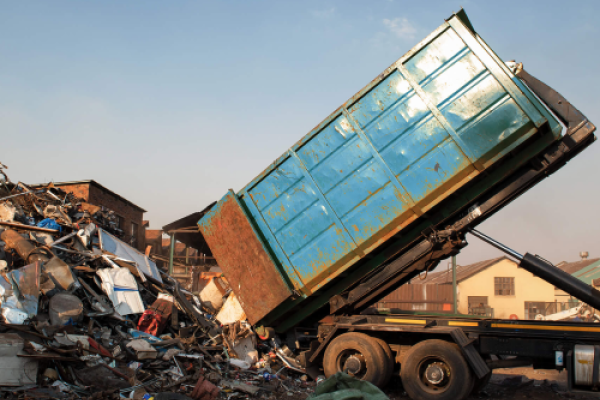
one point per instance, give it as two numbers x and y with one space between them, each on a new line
342 386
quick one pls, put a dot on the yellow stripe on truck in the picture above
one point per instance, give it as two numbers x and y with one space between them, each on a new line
406 321
548 327
462 323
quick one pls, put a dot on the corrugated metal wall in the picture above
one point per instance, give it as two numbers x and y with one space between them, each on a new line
420 297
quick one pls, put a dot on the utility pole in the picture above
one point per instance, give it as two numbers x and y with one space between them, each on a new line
454 287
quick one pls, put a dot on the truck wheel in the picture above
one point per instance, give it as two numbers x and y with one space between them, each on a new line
391 361
358 354
436 370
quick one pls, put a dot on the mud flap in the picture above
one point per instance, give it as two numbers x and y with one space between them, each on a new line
476 362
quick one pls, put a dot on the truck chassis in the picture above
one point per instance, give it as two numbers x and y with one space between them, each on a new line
485 344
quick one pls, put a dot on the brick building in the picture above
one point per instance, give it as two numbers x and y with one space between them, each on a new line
154 239
129 215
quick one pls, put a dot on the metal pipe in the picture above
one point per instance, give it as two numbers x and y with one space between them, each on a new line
454 287
62 239
496 244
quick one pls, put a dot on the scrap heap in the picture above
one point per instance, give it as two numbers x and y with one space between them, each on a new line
88 316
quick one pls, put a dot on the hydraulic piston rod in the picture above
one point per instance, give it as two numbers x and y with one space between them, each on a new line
548 272
496 244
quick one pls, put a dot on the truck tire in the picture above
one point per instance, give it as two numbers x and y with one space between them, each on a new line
391 361
436 370
357 353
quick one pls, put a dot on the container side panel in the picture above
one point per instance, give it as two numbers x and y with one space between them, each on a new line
498 69
468 94
388 92
479 96
335 169
301 221
399 119
352 180
375 213
411 141
276 183
477 109
316 260
434 56
450 78
497 127
433 170
286 210
360 185
554 124
314 219
252 274
413 144
337 134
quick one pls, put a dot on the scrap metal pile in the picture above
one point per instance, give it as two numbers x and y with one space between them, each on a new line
85 315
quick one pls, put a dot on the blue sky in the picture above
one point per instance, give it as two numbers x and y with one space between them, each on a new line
172 103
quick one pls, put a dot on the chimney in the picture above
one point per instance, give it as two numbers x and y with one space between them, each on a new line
584 255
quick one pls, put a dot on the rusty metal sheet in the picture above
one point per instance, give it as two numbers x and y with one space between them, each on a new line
254 277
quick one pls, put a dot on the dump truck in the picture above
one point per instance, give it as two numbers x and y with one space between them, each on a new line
382 190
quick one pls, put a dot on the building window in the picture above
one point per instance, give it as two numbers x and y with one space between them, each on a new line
478 305
120 221
134 234
504 286
477 301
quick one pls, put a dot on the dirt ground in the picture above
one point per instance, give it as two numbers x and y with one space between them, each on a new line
505 384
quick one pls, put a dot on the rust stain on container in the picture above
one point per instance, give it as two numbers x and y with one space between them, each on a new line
254 278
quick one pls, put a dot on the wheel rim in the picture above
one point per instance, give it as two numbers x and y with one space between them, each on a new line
352 362
435 375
